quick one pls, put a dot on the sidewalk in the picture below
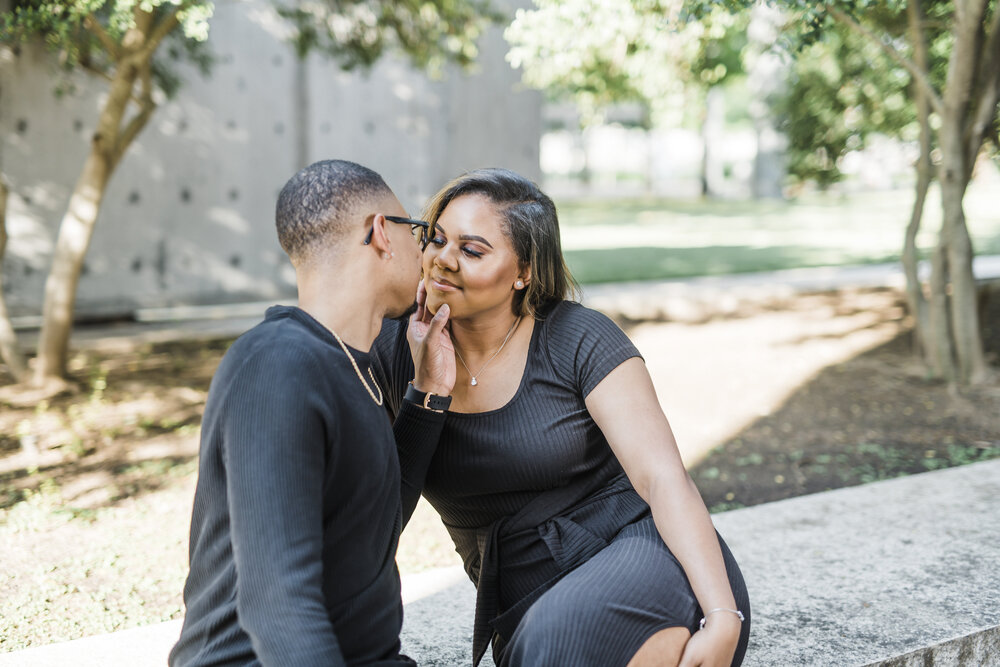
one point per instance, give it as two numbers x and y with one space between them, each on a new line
897 573
691 299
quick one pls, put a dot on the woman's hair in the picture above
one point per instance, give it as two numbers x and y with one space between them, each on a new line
529 222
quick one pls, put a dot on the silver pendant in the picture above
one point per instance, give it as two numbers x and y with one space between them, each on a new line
474 382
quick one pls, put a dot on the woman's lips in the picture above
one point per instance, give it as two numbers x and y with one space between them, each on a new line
443 285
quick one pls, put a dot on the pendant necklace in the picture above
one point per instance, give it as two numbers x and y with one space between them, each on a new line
378 401
474 381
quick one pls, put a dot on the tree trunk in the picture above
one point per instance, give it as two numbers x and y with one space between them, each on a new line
942 351
713 119
914 289
110 141
75 232
964 314
953 175
9 351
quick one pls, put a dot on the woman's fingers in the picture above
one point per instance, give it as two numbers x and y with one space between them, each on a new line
421 302
439 321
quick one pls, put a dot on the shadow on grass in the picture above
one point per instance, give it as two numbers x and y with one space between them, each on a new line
870 418
81 487
130 430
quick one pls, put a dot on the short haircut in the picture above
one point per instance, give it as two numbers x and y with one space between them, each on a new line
530 224
317 204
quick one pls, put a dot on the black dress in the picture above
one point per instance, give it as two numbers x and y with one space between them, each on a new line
569 567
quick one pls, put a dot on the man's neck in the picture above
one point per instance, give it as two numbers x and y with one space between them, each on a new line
344 305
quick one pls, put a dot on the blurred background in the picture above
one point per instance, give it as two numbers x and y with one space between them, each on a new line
794 212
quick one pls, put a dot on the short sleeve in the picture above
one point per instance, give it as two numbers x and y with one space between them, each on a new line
584 345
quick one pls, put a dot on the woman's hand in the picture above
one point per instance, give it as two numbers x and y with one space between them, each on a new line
431 347
715 645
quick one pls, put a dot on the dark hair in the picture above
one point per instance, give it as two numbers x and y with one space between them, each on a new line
530 223
317 203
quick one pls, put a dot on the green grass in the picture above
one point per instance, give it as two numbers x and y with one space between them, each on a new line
653 239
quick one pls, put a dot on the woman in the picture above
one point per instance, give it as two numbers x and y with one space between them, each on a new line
557 474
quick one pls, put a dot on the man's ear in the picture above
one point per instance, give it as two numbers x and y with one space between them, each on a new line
380 240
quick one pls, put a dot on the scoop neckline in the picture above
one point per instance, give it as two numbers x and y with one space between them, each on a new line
520 387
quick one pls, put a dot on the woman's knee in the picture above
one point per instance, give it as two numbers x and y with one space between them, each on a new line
548 630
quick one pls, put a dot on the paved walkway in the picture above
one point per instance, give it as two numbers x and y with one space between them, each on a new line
856 576
692 299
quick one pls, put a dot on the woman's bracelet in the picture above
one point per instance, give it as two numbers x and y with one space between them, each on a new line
701 623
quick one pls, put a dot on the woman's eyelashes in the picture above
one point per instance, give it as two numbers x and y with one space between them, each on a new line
471 252
440 241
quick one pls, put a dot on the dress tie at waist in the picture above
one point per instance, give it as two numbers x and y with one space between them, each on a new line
551 516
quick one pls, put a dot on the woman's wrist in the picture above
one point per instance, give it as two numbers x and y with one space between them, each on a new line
722 618
428 400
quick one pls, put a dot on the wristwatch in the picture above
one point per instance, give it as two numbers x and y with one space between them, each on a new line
426 399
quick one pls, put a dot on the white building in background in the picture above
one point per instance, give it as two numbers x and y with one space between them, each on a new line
189 216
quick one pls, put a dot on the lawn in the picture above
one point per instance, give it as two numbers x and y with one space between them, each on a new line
655 239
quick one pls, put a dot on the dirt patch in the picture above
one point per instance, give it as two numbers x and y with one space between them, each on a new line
96 488
875 416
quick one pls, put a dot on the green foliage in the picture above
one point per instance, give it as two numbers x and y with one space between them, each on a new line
90 34
357 32
600 52
842 89
63 23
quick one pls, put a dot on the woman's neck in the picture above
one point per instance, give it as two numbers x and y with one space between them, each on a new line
484 333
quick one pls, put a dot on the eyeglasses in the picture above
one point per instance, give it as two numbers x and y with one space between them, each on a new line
422 230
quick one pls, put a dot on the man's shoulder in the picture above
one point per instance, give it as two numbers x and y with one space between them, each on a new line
282 344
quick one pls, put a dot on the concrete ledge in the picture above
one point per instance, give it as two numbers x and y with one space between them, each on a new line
898 573
978 648
866 574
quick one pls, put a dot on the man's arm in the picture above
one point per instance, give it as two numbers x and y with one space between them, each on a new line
275 463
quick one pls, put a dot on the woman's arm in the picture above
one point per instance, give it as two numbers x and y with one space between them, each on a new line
418 429
625 407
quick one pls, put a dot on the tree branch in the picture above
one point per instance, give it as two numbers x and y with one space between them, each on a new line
919 76
146 108
162 29
94 27
985 108
96 71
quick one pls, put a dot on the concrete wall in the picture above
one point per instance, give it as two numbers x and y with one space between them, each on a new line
188 217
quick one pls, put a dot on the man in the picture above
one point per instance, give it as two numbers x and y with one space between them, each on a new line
297 508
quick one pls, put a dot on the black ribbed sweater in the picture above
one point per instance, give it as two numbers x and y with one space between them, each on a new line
297 508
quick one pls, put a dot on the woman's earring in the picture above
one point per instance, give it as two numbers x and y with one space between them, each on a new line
519 284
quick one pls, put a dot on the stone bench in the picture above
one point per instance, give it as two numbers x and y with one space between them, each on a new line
898 573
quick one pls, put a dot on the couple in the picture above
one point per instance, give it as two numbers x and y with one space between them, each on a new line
543 447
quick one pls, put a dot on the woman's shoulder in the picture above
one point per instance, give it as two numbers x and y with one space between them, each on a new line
573 319
582 344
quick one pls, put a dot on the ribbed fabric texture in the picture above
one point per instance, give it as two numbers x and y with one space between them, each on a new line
297 509
490 466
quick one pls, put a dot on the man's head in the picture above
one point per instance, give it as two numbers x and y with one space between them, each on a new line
332 215
322 204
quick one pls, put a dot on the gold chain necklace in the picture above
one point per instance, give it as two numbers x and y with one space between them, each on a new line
472 375
378 401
